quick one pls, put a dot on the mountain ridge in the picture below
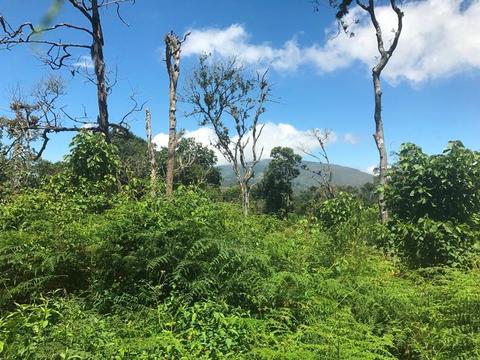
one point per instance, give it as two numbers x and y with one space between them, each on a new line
341 175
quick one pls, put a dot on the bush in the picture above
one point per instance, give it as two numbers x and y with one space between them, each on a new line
428 242
344 207
93 164
66 329
173 244
44 245
442 187
435 201
215 284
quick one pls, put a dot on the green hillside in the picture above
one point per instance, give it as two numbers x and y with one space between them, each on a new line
342 175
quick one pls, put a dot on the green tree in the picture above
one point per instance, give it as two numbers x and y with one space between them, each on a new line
442 187
194 164
133 155
435 204
93 164
367 193
276 186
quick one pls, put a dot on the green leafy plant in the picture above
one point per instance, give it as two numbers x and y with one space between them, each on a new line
276 185
435 202
342 208
93 163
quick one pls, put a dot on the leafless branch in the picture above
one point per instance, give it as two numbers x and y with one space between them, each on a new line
136 107
58 52
322 176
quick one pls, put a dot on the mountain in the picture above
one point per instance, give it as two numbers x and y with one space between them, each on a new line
341 175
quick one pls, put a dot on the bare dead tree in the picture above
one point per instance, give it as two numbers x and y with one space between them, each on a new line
34 117
221 90
151 152
59 52
37 116
324 175
173 46
385 55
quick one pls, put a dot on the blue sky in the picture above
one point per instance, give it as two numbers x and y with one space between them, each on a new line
431 88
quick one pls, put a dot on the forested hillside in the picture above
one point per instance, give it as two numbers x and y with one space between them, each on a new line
341 175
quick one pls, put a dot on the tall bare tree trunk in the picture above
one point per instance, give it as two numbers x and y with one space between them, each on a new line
151 152
172 134
380 142
385 55
244 188
99 64
172 58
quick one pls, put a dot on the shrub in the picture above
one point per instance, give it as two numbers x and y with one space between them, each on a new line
93 164
428 242
189 278
344 207
442 187
121 276
186 245
44 245
434 201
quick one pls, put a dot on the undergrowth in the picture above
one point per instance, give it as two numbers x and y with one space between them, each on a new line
191 278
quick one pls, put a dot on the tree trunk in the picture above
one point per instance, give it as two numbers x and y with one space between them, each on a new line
172 52
245 197
380 142
151 152
99 64
172 134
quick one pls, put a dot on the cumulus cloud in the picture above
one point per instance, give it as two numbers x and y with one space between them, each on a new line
439 38
235 41
371 169
273 135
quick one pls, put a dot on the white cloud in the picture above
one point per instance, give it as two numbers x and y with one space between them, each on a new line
202 135
439 38
84 62
371 169
234 41
351 138
273 135
160 140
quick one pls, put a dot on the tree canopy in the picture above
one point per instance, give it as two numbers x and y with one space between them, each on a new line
276 185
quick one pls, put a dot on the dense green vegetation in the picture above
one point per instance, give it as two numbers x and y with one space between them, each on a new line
92 267
195 162
276 185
